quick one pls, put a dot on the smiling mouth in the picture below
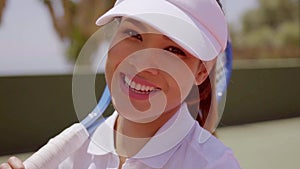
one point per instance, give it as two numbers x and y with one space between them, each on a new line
138 88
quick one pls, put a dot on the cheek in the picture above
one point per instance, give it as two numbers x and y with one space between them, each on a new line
111 65
194 64
194 68
174 93
115 56
119 52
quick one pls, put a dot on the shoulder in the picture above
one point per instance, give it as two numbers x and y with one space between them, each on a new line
82 159
77 159
204 150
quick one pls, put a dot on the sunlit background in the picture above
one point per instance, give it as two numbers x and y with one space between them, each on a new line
44 37
41 39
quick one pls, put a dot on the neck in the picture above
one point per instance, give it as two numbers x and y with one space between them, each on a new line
130 136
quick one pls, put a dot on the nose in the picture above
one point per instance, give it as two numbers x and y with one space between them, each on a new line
145 61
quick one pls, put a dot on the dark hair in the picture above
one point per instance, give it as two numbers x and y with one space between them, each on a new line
201 100
220 4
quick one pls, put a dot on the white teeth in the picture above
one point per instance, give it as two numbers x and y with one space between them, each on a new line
138 86
143 88
132 85
147 88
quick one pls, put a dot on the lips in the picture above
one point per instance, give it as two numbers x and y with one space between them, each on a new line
137 87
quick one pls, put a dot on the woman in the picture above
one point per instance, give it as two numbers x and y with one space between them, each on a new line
161 51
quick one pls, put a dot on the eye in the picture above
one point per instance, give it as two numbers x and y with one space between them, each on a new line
133 34
175 50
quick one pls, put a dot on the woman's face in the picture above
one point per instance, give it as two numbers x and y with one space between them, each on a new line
138 83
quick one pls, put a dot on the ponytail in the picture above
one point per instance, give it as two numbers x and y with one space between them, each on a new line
202 102
204 109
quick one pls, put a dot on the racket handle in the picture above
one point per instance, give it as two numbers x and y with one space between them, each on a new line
58 148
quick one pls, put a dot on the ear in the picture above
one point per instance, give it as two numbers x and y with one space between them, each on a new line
203 71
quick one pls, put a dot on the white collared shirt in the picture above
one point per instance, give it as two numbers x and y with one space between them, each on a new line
179 144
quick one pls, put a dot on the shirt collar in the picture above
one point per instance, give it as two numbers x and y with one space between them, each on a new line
102 140
158 150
